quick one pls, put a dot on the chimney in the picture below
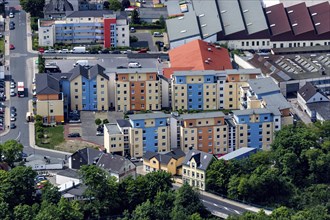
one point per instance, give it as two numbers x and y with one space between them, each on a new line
209 59
206 61
209 49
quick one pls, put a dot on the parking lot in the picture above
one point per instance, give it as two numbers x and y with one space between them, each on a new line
87 128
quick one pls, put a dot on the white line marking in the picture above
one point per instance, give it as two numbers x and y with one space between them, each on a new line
225 208
215 204
237 212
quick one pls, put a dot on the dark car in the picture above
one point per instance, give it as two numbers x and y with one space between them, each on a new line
13 109
12 126
105 51
116 52
121 67
74 135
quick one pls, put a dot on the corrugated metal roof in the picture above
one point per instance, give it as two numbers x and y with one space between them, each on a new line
237 153
299 18
202 115
254 17
148 116
277 19
321 17
207 14
251 111
231 16
263 85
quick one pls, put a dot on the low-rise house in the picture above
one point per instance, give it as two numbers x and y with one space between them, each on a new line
40 162
86 156
314 102
170 161
239 154
194 168
67 175
117 166
57 8
72 191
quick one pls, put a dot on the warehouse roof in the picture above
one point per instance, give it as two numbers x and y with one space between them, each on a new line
254 17
300 19
320 15
277 19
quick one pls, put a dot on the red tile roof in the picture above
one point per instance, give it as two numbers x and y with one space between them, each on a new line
300 19
321 17
277 19
200 55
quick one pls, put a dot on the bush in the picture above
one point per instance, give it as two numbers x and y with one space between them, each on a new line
133 39
40 135
98 121
105 121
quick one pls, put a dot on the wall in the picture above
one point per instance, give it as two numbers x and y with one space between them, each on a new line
102 93
76 93
46 35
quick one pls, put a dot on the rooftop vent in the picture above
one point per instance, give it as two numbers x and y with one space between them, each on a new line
314 14
223 11
268 12
295 24
317 24
246 10
209 59
201 15
206 61
180 18
218 47
203 25
272 25
183 31
248 24
289 12
209 49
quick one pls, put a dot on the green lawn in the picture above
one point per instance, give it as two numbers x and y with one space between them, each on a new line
2 45
55 136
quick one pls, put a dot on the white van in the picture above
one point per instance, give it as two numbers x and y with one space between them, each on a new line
78 50
134 65
83 63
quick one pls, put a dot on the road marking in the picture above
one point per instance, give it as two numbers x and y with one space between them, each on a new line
237 212
215 204
225 208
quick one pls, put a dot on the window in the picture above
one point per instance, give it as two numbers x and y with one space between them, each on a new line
76 97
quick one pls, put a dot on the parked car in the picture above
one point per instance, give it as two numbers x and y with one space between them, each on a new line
12 23
134 65
50 51
157 34
12 47
12 119
12 94
11 15
12 109
12 126
116 52
11 26
64 51
98 133
13 114
74 135
121 67
143 51
132 30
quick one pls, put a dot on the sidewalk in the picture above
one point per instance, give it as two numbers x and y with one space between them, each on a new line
29 35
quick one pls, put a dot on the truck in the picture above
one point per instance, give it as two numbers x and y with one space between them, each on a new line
79 50
29 116
20 90
83 63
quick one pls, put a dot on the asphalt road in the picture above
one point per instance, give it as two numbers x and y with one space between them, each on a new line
21 65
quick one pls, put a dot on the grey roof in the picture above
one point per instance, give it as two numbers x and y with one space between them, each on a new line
202 115
46 84
113 128
58 6
321 108
69 173
196 72
202 159
123 123
148 116
251 111
243 71
88 154
78 70
90 13
97 70
183 27
208 17
132 70
173 7
237 153
276 100
114 163
231 16
41 159
152 13
263 85
308 91
164 157
254 17
77 190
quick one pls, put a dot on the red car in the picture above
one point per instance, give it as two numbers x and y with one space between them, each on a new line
12 47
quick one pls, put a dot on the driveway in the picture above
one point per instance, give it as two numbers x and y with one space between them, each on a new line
88 125
144 37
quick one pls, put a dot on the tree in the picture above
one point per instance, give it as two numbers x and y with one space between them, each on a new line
98 121
4 211
50 194
145 211
162 22
158 181
34 7
23 212
69 210
11 151
125 4
114 5
186 203
49 211
135 17
163 205
218 175
282 213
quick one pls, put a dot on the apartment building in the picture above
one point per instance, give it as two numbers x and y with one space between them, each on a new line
149 132
194 168
137 89
254 128
85 27
138 134
89 89
207 132
209 89
49 103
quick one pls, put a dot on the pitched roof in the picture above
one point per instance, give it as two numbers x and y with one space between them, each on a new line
202 115
164 157
46 84
276 100
113 163
239 152
176 153
69 173
78 70
202 159
300 19
308 91
58 6
277 19
123 123
88 154
196 54
251 111
320 16
97 70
